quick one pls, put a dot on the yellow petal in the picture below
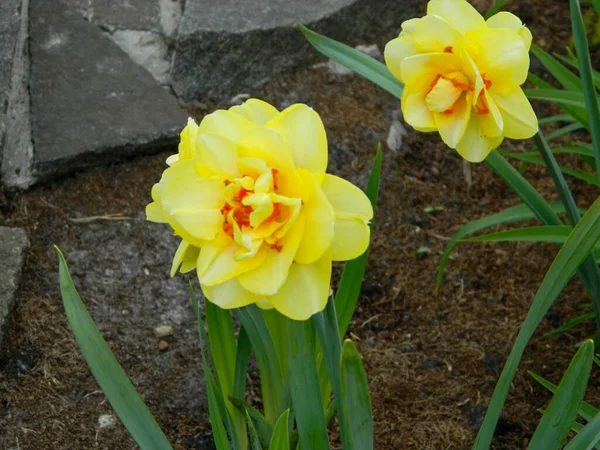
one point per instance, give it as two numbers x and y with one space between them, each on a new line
452 126
187 143
346 198
185 258
226 266
520 121
263 303
229 295
434 35
318 229
353 211
154 213
256 111
490 123
501 55
303 130
306 290
426 66
475 146
226 123
409 26
443 95
458 13
268 278
172 159
507 20
415 110
395 51
193 205
217 155
208 253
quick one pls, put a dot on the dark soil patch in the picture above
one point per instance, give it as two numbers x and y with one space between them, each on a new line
433 358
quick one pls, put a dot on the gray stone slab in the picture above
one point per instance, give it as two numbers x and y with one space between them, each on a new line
16 149
119 15
13 251
230 46
89 101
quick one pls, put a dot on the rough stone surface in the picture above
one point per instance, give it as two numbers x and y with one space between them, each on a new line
89 100
121 271
234 45
119 15
16 148
13 251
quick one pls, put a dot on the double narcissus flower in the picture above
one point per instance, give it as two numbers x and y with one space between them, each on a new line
260 220
462 76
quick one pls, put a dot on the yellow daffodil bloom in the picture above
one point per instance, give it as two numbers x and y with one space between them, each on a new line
462 76
260 220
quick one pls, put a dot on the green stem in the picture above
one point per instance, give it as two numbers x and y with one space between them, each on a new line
588 269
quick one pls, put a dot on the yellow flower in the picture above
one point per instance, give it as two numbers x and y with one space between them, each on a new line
462 76
260 220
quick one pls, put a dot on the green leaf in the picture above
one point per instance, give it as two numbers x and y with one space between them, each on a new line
280 439
586 411
573 98
354 60
562 411
329 337
557 118
261 425
241 364
277 326
556 234
585 70
216 408
587 437
570 324
357 415
578 245
564 76
254 439
304 384
348 290
223 352
565 130
496 7
513 214
111 378
271 379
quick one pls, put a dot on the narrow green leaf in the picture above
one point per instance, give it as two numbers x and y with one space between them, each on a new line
556 234
565 130
570 324
586 411
241 364
262 427
280 439
587 437
215 411
562 411
585 70
304 380
557 118
254 439
573 150
495 8
357 401
578 245
277 326
348 290
271 379
329 337
223 352
564 76
513 214
111 378
354 60
573 98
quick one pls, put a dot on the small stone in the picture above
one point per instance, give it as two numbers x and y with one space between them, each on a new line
239 99
107 421
162 331
370 50
396 133
163 345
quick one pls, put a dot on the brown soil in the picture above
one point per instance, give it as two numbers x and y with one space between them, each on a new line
433 358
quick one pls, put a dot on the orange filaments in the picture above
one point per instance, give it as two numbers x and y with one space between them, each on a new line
448 49
481 107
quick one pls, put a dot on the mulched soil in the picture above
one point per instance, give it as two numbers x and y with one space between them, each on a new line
432 357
